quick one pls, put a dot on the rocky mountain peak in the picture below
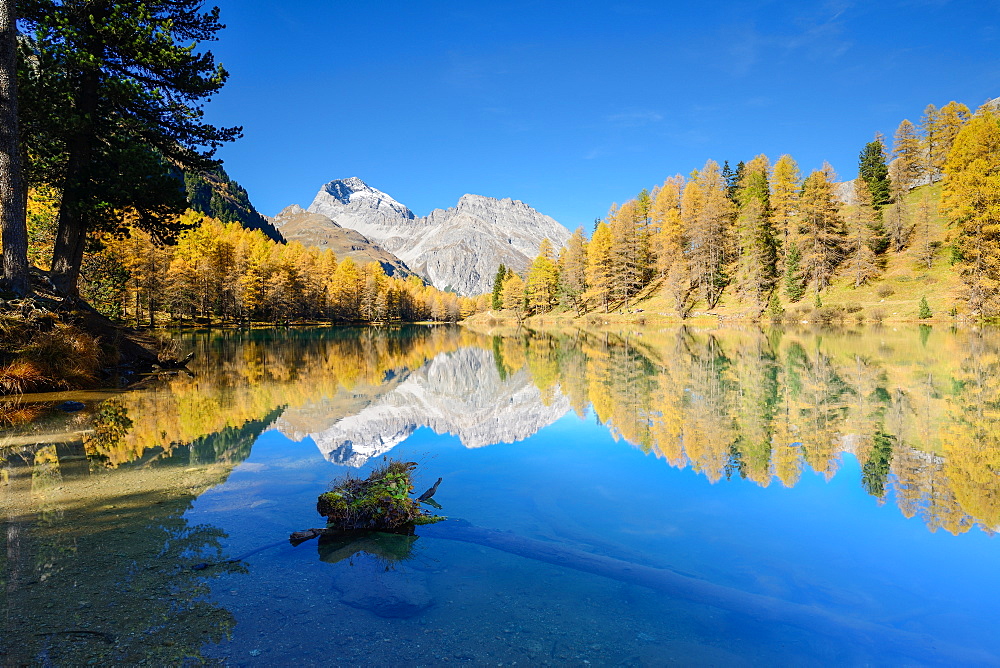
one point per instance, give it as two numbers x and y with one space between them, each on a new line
345 196
458 248
287 213
343 189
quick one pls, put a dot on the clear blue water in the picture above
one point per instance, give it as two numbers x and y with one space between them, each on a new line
886 589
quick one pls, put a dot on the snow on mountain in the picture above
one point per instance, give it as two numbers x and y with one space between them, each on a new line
458 248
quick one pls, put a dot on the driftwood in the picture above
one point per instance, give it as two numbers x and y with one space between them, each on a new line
429 493
171 363
302 536
761 607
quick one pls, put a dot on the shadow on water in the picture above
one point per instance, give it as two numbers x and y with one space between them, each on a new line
97 560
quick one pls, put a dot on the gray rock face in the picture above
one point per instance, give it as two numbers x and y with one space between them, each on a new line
354 204
459 393
316 229
458 248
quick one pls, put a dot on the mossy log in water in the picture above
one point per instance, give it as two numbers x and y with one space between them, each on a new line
381 502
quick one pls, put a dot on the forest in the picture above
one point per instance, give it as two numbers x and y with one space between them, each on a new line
107 171
761 237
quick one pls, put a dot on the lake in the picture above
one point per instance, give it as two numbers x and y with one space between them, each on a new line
740 496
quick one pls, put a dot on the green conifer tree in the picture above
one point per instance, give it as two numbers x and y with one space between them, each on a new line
794 280
925 309
112 104
873 170
501 274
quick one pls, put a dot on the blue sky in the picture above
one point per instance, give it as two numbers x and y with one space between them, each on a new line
571 106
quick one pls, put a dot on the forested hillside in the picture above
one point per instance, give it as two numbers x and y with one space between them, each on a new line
224 272
914 236
215 194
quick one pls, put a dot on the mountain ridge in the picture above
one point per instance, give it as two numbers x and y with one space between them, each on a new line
314 229
458 248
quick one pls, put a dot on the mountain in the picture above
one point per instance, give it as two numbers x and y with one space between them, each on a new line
458 248
215 194
315 229
459 393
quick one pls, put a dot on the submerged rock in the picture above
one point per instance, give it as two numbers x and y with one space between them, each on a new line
367 585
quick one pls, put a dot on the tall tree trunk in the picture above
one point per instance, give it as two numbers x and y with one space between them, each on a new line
13 218
67 256
71 236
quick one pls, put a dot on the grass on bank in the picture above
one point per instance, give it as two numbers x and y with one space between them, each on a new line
41 353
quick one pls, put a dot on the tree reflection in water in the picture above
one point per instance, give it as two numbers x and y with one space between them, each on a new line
918 409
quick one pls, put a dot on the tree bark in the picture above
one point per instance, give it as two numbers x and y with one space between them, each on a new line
13 215
71 236
67 255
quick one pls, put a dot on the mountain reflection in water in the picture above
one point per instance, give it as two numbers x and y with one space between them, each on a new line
108 491
917 410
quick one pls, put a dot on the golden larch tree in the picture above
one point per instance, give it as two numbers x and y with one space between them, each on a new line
971 201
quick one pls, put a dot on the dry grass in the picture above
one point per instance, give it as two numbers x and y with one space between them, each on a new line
13 413
63 357
21 376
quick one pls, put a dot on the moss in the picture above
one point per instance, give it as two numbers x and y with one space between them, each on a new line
429 519
381 502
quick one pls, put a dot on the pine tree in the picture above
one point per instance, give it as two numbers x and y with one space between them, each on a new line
822 228
543 280
794 278
971 200
873 170
629 250
513 296
926 246
573 272
757 262
925 309
930 128
733 178
786 183
498 287
677 285
896 216
666 230
950 120
13 189
907 156
600 266
707 215
643 205
115 92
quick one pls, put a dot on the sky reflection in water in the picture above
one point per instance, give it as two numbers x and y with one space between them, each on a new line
852 472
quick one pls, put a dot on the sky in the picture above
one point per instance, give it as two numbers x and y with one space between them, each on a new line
571 106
